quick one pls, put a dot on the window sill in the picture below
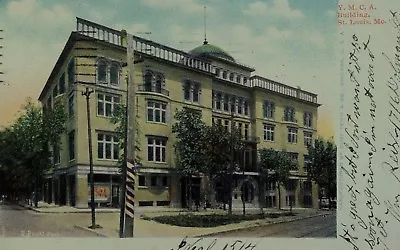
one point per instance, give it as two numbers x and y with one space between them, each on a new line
157 123
268 141
107 160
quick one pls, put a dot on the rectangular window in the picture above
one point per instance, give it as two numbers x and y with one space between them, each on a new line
307 163
246 131
156 149
292 135
196 92
295 158
71 144
156 111
218 101
268 109
240 127
269 131
307 138
246 108
106 104
71 104
226 102
107 146
289 115
233 105
307 119
240 106
226 125
71 72
224 74
61 84
142 180
231 76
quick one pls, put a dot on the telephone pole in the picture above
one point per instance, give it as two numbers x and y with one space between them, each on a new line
87 93
128 180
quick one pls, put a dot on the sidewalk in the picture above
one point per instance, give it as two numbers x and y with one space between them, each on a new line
108 219
146 228
44 207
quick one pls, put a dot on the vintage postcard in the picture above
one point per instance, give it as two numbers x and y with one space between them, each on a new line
199 124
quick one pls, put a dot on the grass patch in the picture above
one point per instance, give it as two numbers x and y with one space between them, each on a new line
211 220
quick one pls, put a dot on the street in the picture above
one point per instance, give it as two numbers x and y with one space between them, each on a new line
309 228
16 221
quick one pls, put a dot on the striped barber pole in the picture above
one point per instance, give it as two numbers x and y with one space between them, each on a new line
130 190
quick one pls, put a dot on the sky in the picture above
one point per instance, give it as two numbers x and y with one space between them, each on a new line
290 41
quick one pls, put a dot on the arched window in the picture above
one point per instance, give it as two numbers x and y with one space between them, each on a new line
186 90
114 74
159 81
148 79
102 71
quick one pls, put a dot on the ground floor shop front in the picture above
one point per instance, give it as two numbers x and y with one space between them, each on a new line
165 187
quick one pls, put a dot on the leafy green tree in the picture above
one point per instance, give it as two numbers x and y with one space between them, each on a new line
322 168
119 119
189 132
223 149
276 166
28 139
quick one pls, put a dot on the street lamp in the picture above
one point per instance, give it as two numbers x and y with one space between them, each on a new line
87 93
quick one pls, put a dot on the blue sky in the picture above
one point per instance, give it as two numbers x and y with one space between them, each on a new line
291 41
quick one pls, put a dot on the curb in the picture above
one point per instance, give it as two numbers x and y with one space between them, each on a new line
63 212
91 230
268 224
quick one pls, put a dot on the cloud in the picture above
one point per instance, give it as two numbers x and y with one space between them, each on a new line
22 9
189 6
31 13
277 9
316 39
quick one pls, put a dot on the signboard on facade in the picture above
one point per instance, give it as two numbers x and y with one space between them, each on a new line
101 192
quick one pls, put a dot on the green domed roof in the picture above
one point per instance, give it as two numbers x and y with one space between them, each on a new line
209 49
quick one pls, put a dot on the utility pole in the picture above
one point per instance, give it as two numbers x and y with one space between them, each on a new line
231 168
128 184
243 185
87 93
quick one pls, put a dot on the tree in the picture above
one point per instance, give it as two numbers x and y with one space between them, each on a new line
322 167
119 119
275 166
189 131
28 140
222 148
